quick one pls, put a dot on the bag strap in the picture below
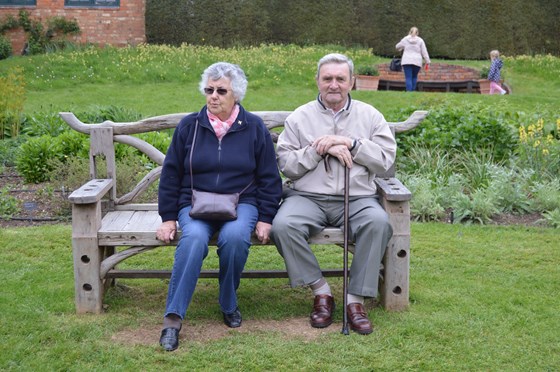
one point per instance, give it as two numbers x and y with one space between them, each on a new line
190 161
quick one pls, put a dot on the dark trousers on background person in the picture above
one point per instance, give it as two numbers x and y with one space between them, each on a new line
411 76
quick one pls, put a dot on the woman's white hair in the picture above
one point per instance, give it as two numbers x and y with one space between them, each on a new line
229 71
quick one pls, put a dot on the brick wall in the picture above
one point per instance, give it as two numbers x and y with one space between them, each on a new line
120 26
436 72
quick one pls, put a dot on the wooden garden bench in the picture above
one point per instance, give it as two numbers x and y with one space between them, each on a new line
103 220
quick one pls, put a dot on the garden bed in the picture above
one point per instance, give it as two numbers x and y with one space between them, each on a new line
39 204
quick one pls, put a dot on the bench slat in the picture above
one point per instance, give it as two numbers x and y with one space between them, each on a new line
138 228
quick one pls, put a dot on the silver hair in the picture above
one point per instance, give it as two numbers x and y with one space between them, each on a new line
335 58
227 70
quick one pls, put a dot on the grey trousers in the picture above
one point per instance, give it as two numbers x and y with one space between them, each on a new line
302 215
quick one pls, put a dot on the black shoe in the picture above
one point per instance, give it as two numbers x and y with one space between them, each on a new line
169 339
233 320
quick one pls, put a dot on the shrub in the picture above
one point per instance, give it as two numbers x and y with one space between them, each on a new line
464 128
8 204
5 47
11 102
48 123
479 207
34 156
8 150
553 218
546 195
424 206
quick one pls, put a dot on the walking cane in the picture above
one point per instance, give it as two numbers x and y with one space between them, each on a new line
345 268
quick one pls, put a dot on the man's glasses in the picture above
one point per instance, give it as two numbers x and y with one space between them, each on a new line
221 91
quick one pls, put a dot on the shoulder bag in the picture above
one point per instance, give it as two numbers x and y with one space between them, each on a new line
395 64
211 205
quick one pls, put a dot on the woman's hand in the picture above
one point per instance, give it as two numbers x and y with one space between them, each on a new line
166 231
262 230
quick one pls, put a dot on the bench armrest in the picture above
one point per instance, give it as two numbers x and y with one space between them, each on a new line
392 189
91 192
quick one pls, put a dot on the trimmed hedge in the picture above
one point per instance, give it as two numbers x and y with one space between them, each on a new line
463 29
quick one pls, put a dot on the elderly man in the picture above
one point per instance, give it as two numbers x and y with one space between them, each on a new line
319 139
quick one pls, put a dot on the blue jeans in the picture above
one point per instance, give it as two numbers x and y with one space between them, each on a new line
234 240
411 76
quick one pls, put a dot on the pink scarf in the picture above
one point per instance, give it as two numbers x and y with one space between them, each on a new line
222 127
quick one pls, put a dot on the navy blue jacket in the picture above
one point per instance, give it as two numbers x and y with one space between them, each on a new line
245 153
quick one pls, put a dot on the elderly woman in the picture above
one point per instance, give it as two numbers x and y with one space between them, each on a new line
233 153
414 50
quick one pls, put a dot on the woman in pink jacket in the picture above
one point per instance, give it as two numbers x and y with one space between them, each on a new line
414 50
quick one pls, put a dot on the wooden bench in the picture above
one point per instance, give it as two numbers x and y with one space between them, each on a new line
103 220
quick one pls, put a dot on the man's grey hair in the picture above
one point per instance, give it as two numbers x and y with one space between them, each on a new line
335 58
226 70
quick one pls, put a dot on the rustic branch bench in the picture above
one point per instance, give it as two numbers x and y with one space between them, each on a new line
103 221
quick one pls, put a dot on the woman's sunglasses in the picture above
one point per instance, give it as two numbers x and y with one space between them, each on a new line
221 91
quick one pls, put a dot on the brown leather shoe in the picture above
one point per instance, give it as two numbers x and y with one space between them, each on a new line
323 307
358 320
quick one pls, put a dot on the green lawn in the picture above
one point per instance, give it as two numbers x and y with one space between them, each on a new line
481 298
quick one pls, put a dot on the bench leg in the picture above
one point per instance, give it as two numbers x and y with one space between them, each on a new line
86 219
394 286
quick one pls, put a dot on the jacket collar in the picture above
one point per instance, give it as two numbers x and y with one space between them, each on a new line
346 108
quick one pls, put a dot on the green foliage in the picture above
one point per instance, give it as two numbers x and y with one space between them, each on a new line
34 156
8 150
539 148
545 195
45 123
451 29
484 72
425 206
12 99
39 39
553 218
367 70
479 207
8 204
5 47
464 128
99 114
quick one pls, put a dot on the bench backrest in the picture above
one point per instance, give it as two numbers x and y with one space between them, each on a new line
103 137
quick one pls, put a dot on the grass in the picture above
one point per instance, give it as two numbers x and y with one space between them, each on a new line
482 298
156 80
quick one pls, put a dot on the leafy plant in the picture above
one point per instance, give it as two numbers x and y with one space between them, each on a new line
484 72
459 127
424 206
479 207
539 149
33 159
5 47
367 70
49 123
40 39
8 204
553 218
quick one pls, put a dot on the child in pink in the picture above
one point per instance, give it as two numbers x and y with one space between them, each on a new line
494 73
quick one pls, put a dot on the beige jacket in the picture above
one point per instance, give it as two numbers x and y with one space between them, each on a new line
414 49
299 161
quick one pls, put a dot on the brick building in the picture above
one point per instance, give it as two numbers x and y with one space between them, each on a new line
114 22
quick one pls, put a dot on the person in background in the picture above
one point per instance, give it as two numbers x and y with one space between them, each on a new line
414 51
494 74
233 149
319 140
